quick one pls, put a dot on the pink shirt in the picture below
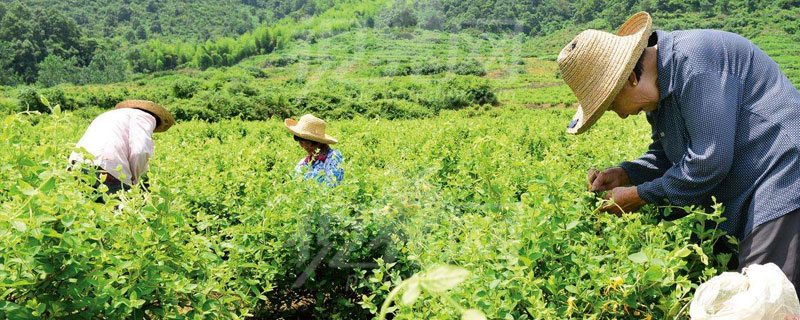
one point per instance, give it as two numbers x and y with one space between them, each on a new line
120 138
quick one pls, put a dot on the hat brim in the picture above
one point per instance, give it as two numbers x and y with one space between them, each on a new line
291 125
165 118
638 27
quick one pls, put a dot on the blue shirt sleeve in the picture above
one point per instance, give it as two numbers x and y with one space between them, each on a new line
649 166
708 103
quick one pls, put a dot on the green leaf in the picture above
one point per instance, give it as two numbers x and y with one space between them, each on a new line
411 294
44 101
573 224
50 184
27 189
443 277
19 225
682 253
639 257
654 273
703 256
473 314
67 220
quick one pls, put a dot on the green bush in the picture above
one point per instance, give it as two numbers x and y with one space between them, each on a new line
429 67
397 109
187 110
395 70
257 73
458 93
185 88
470 67
28 98
242 88
9 105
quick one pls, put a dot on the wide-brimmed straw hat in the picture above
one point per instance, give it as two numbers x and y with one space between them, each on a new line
310 128
596 64
163 115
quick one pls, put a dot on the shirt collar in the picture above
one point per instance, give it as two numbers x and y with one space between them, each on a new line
665 54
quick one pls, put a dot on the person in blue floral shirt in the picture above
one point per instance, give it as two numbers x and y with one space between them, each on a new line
321 162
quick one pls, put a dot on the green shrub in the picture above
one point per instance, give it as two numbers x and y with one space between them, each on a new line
397 109
257 73
470 67
186 110
429 67
395 70
28 98
185 88
9 105
242 88
458 93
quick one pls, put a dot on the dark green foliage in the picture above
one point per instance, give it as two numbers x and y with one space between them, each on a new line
544 17
458 93
28 36
185 88
398 15
28 99
434 66
397 109
106 67
190 20
468 67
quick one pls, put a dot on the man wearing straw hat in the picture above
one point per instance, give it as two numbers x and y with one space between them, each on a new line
725 123
321 161
121 142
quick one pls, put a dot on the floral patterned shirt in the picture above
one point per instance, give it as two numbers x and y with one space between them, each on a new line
325 169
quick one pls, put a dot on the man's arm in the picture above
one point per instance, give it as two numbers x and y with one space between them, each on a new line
650 166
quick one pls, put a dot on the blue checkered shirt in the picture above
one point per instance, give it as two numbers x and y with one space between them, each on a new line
727 126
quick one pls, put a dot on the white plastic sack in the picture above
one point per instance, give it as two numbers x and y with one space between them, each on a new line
762 292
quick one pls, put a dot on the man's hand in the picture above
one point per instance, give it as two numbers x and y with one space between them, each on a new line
626 199
611 178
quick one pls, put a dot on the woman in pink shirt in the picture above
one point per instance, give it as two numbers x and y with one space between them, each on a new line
121 142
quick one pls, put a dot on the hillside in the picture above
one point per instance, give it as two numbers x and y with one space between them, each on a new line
148 36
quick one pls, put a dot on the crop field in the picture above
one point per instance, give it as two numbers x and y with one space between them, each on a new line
227 231
463 197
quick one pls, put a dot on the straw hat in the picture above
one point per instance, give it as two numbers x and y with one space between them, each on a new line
311 128
596 64
163 115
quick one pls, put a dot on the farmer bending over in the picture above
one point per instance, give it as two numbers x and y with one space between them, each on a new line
121 142
321 162
725 123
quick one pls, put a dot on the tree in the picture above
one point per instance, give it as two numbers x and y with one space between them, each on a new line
56 70
2 10
141 33
155 27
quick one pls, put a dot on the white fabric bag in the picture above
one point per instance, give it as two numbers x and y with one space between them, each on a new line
761 292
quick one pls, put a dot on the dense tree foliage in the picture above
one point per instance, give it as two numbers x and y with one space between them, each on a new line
138 20
28 36
539 17
32 33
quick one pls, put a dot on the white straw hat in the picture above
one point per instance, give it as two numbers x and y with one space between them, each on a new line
311 128
596 64
163 115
